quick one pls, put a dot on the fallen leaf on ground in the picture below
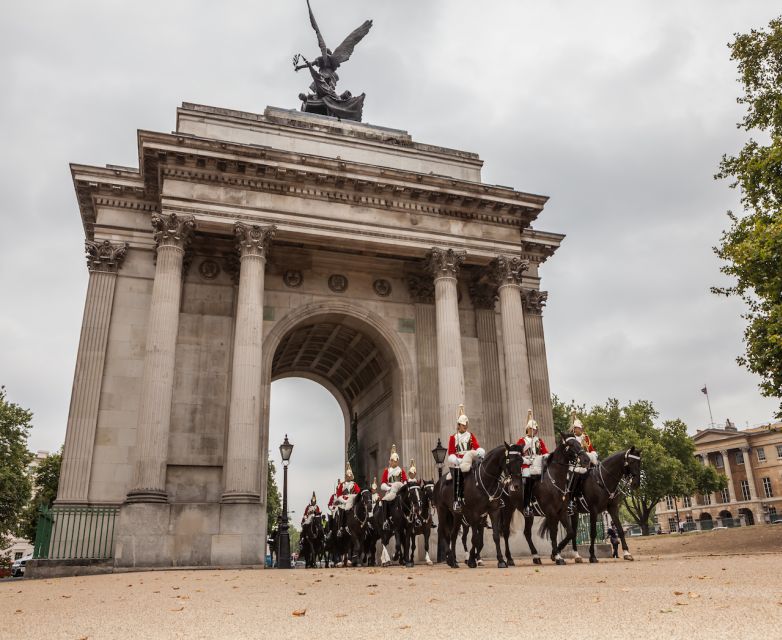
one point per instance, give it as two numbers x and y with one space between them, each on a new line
682 604
666 610
678 593
299 612
600 581
301 593
184 597
156 592
405 626
396 615
180 609
20 611
692 594
341 615
433 600
175 588
65 596
371 585
595 599
409 577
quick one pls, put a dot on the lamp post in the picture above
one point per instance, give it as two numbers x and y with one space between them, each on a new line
283 537
438 453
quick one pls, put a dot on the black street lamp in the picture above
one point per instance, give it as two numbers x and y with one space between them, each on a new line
283 537
438 453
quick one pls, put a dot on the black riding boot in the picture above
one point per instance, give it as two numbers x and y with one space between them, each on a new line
458 489
384 509
575 492
527 497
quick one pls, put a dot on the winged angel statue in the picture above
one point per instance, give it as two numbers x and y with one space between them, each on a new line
324 98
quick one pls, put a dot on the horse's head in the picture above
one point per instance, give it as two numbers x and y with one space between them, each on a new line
411 495
363 505
632 466
513 466
572 451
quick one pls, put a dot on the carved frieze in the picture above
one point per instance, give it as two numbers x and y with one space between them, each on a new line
444 263
173 230
105 256
533 300
508 270
253 240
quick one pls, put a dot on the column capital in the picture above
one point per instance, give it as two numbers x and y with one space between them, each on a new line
508 270
444 263
421 288
534 300
173 230
104 255
253 240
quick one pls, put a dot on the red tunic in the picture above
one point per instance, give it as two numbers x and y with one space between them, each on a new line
343 491
312 510
460 454
384 479
586 443
543 447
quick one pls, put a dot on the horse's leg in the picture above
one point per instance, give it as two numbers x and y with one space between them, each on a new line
452 543
574 527
479 547
496 531
528 522
553 529
592 535
507 519
465 530
412 547
613 510
473 553
427 533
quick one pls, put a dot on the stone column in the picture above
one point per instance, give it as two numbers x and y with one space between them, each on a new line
728 475
444 265
243 454
172 234
484 297
753 493
533 302
103 260
507 272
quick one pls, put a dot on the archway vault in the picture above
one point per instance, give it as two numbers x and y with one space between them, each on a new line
361 360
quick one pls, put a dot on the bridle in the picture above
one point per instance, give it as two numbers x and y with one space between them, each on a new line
501 480
569 463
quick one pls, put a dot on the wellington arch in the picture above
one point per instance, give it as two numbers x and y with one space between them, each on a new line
251 247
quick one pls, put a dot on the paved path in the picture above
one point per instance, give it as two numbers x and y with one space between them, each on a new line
672 597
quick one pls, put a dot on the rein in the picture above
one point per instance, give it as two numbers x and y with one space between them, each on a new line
500 480
564 492
601 481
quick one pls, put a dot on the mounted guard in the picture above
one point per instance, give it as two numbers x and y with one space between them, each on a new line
393 478
463 449
579 472
310 511
535 452
412 474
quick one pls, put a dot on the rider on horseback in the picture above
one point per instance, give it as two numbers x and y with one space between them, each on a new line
534 452
577 429
345 490
375 494
391 482
311 510
463 448
412 474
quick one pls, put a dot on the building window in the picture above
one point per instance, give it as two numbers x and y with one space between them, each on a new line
687 502
718 461
739 457
772 514
767 488
761 454
706 498
689 518
744 490
725 495
18 554
672 525
669 503
779 451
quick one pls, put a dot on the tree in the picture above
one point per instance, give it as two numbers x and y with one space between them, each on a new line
752 246
273 498
46 480
669 466
15 486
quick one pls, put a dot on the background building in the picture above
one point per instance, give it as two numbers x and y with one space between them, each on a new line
751 460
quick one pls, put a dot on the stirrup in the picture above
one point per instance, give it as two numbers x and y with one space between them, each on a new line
572 509
386 525
457 506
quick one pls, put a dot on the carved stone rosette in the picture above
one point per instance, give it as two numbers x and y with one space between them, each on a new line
444 263
173 230
105 256
508 270
534 300
253 240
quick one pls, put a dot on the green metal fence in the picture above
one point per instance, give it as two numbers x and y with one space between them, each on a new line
75 532
582 535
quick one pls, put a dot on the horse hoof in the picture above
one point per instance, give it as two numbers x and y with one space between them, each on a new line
560 561
409 565
455 565
502 565
579 559
593 559
510 562
537 561
472 564
386 564
629 557
479 562
429 563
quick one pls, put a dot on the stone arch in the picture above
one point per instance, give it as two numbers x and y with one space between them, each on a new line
749 517
402 372
704 516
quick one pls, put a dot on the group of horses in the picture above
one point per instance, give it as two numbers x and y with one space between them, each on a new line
493 493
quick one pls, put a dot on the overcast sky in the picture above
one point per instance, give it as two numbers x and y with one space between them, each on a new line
619 111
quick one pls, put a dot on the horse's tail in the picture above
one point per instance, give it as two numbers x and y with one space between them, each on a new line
543 529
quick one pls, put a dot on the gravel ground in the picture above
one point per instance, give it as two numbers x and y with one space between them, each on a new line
653 597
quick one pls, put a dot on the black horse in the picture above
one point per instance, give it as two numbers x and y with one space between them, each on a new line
400 512
312 541
425 525
600 491
411 504
483 488
550 497
355 519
